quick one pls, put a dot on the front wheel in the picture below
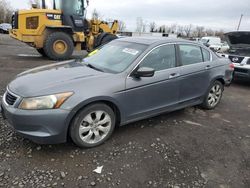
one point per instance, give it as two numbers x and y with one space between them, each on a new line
213 96
93 125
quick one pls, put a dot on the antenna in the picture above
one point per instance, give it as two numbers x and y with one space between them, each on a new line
241 16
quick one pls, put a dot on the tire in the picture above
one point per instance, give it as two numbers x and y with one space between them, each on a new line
59 46
41 51
108 38
213 96
87 121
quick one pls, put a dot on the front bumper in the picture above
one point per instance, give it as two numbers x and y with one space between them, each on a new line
242 72
31 40
40 126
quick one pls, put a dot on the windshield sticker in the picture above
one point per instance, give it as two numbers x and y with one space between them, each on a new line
93 53
130 51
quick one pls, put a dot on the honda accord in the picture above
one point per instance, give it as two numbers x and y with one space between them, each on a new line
124 81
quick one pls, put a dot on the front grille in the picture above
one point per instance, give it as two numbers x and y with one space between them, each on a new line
236 59
241 70
10 99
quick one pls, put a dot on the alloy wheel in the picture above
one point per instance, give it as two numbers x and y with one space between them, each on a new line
214 95
95 127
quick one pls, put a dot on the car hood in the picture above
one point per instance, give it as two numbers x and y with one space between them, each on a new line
53 78
238 40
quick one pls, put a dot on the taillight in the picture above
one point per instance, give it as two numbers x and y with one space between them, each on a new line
231 66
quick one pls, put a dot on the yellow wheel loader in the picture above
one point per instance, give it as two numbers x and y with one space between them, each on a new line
60 26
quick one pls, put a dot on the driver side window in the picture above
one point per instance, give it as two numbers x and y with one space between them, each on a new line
160 58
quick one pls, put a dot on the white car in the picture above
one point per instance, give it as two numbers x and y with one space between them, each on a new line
220 48
5 27
239 52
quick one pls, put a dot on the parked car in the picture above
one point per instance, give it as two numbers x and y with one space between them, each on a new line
208 41
220 48
239 52
124 81
5 27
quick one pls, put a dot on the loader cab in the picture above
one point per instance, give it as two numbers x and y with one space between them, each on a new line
73 12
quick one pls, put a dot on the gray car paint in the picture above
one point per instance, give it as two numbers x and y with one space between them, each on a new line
134 98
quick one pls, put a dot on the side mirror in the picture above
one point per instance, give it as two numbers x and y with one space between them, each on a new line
144 72
34 6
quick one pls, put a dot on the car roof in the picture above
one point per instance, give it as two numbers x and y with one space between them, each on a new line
153 40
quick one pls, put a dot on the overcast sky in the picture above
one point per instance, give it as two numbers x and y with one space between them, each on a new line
215 14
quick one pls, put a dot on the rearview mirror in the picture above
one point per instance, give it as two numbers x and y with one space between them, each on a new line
144 72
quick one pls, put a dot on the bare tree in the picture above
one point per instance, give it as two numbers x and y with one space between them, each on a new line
96 15
209 32
5 12
199 31
187 29
220 34
139 25
122 25
180 30
144 26
168 29
173 28
152 27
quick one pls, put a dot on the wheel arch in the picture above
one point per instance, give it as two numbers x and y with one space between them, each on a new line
63 29
106 100
220 79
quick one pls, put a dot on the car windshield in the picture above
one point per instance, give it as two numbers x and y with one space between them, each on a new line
114 57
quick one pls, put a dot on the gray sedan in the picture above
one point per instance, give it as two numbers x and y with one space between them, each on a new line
124 81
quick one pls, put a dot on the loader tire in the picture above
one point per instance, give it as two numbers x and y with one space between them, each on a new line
59 46
41 51
108 38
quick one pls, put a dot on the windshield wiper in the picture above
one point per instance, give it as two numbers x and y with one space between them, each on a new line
93 67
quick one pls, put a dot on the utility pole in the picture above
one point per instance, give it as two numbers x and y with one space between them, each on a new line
241 16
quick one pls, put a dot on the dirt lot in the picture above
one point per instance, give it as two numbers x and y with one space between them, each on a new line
187 148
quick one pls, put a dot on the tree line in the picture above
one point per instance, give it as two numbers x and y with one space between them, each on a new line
184 31
6 12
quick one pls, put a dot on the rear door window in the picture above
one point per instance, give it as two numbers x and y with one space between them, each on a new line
190 54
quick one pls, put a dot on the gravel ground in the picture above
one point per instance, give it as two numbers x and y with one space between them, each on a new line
187 148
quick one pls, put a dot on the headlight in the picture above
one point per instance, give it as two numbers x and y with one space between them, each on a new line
45 102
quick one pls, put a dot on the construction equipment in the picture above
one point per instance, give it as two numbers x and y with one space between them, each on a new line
59 27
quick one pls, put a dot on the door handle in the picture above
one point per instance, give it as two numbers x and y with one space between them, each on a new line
174 75
208 67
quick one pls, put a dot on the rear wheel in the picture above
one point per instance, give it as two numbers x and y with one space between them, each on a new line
213 96
93 125
59 46
41 51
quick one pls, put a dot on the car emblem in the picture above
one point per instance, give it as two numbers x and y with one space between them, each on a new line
235 59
